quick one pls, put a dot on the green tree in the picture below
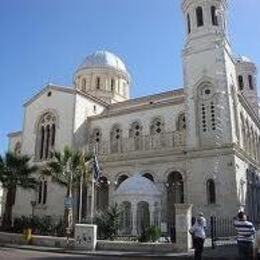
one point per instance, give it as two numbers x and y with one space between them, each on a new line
15 171
67 169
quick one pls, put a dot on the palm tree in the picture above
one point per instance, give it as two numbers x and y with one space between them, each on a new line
67 169
15 171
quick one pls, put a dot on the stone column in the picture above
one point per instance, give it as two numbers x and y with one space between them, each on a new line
183 224
152 214
134 219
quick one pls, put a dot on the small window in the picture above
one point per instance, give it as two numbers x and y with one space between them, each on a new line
156 126
188 24
42 192
250 82
207 91
148 176
240 82
199 14
96 135
84 85
214 17
120 180
181 124
98 83
112 85
203 118
213 118
94 108
211 191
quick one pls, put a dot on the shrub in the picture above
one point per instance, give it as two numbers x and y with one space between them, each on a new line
152 234
108 222
45 226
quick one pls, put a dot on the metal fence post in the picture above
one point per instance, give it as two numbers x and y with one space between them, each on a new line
212 231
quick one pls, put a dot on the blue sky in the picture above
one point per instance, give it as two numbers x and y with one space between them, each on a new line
45 40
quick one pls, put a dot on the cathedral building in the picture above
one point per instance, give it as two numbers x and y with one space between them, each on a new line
197 145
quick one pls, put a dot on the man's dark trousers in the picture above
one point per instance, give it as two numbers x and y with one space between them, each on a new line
246 250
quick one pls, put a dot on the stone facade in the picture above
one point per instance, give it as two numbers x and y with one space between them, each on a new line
197 145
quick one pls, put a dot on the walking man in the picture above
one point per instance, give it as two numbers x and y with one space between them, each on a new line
245 237
198 234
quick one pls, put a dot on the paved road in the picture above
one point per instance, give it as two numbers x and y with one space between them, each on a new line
18 254
220 253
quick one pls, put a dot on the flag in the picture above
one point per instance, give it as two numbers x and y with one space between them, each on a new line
96 168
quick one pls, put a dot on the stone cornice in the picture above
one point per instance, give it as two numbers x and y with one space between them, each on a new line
145 103
125 75
245 157
93 98
175 154
145 158
186 3
249 110
14 134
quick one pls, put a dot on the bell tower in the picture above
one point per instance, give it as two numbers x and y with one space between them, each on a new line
209 74
205 19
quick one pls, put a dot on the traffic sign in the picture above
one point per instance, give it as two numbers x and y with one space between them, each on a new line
68 202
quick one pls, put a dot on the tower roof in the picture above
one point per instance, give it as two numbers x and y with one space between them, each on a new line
243 59
137 185
103 59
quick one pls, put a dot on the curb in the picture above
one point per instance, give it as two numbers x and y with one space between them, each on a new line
112 253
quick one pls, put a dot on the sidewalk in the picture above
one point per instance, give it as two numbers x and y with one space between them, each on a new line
220 253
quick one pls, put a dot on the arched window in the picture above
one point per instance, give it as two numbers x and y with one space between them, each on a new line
96 139
156 126
188 23
17 149
181 123
98 83
214 17
116 139
121 179
157 134
112 85
199 14
148 176
46 136
126 218
240 82
143 216
42 192
102 193
250 82
211 191
84 85
135 135
175 194
124 89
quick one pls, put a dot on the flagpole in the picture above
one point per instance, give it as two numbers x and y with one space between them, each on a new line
93 191
80 197
92 198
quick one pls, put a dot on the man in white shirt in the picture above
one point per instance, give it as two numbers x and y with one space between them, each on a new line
198 233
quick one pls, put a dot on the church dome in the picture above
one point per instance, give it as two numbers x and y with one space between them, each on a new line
137 185
103 59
